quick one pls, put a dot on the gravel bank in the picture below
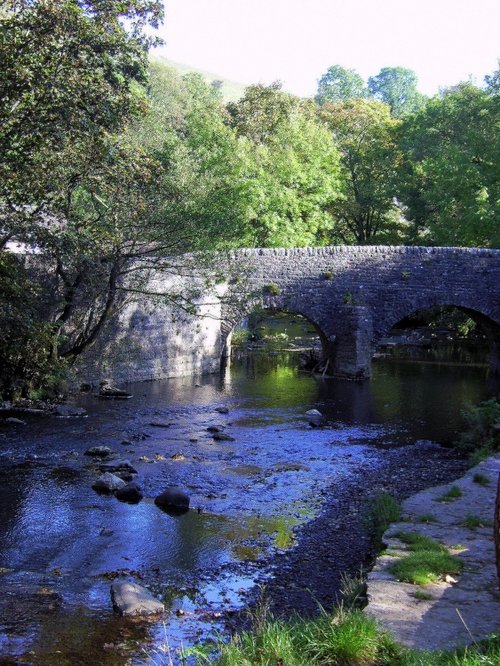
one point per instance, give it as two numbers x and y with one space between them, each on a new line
336 541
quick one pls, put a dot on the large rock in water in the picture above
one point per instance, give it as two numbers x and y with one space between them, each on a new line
68 410
98 451
130 493
121 465
108 483
173 498
132 599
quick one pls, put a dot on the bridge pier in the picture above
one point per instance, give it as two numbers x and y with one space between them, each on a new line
351 352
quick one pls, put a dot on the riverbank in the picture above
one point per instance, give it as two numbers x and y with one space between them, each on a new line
460 609
338 542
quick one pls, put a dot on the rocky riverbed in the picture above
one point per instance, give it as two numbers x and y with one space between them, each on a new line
337 541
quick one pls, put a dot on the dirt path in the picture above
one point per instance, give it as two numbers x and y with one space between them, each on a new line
457 611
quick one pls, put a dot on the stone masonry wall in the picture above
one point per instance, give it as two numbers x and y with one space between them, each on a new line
352 295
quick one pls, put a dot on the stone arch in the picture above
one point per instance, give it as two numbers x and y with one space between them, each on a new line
270 305
486 320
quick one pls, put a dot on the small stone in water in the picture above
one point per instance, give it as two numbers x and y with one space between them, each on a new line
99 451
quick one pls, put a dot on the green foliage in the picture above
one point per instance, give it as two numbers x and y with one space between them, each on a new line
397 87
365 134
416 541
292 168
425 566
481 479
26 340
452 494
422 595
272 289
483 653
343 638
339 84
427 518
449 180
481 438
473 522
384 510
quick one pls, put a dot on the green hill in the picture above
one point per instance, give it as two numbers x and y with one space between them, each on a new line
231 90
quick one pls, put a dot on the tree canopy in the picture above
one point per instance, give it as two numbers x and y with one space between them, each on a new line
339 84
364 131
397 87
292 168
450 180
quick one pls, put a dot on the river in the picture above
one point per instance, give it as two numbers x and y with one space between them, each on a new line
62 543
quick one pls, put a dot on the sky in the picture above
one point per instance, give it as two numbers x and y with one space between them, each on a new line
295 41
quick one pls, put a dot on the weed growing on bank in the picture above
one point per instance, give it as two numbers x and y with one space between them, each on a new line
344 638
384 510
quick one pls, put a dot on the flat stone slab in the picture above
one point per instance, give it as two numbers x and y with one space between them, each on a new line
130 599
463 609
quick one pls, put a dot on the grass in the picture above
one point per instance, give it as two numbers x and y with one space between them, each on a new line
420 542
422 595
384 510
473 522
425 566
427 518
344 638
481 479
484 653
453 493
427 562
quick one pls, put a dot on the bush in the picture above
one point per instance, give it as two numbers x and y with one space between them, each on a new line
482 436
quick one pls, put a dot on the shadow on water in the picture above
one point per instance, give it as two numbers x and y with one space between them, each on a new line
62 544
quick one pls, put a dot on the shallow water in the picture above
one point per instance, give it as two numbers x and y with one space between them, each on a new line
62 543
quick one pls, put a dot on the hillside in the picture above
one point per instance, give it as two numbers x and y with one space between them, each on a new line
231 90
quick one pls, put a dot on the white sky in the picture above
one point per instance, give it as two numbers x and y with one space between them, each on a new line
443 41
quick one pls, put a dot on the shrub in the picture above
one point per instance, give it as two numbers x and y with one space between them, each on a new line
482 436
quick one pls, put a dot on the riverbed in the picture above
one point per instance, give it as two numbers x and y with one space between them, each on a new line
257 499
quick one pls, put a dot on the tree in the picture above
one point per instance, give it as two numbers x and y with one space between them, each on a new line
292 168
339 84
100 210
397 87
366 211
450 179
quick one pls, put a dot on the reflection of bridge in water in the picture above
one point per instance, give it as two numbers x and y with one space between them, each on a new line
351 295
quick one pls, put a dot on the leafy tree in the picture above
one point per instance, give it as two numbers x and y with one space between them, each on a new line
450 178
397 87
364 132
292 168
339 84
101 210
493 81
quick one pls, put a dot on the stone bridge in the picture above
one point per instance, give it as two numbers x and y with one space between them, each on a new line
353 296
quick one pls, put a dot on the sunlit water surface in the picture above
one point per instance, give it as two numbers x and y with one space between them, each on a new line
62 544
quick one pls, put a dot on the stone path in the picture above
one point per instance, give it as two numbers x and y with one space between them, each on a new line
458 611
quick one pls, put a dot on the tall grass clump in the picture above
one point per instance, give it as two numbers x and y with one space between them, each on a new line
384 510
344 638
